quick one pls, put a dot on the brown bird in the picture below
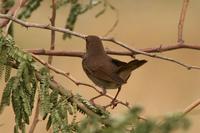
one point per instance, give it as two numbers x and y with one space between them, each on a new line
105 71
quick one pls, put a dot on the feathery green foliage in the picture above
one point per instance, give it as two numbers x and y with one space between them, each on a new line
21 87
5 101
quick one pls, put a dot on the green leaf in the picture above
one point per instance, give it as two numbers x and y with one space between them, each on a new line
44 95
5 101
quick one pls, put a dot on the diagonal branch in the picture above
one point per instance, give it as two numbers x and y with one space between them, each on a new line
191 107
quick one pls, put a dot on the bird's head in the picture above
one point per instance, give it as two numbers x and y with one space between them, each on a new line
94 45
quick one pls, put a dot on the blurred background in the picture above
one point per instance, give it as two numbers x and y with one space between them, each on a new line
159 87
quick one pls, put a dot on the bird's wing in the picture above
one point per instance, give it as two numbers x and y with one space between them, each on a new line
100 73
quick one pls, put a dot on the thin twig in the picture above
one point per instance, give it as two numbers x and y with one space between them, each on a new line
191 107
181 21
52 19
36 117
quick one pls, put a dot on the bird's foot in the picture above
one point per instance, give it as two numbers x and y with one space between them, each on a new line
112 104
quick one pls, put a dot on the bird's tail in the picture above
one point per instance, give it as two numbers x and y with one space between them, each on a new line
132 65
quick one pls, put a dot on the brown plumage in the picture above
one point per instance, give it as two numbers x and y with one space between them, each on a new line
105 71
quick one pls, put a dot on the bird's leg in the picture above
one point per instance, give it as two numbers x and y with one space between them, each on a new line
94 98
114 99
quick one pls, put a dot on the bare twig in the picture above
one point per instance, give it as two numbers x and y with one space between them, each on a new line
52 19
36 117
191 107
181 20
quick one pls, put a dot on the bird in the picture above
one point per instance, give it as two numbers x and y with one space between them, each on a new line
105 71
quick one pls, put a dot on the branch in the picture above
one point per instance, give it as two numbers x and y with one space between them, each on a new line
52 20
80 54
36 117
133 50
191 107
181 21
